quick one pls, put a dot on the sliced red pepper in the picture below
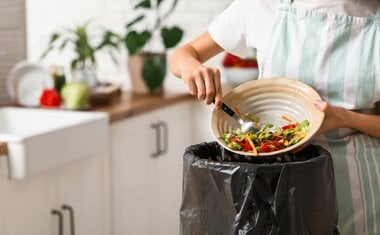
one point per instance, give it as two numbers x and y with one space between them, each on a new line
246 146
276 138
290 126
234 139
264 147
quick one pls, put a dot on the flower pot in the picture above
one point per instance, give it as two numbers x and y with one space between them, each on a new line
147 72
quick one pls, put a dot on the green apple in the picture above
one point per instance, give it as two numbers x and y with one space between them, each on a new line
75 95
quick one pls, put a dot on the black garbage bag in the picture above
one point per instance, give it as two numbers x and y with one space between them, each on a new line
293 195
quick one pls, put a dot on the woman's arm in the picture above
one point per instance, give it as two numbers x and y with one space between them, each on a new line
339 117
187 63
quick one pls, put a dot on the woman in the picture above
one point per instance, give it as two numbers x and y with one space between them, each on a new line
334 46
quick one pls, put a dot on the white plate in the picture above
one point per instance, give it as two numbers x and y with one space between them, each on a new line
26 81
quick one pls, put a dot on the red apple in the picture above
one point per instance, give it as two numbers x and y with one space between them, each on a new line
50 98
235 61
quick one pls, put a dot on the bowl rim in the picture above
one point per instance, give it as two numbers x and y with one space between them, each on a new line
312 94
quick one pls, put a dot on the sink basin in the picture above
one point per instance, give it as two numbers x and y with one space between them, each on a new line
42 139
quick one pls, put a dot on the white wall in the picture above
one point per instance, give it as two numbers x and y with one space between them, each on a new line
46 16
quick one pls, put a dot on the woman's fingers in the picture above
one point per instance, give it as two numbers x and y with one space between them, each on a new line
321 105
204 83
201 88
209 75
218 90
191 85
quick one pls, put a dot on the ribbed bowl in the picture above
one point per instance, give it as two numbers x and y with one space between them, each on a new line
270 99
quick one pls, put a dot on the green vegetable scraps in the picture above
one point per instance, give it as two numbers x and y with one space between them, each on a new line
267 138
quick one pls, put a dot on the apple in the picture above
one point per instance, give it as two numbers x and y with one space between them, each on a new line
231 60
50 98
75 95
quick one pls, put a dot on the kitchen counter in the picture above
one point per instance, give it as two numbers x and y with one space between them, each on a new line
3 148
128 104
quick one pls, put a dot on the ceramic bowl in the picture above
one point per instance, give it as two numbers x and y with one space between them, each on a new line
270 99
237 76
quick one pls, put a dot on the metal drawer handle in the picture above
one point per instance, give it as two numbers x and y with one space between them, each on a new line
162 143
60 220
165 145
157 129
71 217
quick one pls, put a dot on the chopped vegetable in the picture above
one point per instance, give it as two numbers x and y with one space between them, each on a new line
287 119
267 138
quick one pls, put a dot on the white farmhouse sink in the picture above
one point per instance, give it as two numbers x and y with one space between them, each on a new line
41 139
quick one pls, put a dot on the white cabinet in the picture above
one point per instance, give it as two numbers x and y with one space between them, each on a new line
26 205
202 121
83 187
147 184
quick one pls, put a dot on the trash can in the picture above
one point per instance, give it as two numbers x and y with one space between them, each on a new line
226 194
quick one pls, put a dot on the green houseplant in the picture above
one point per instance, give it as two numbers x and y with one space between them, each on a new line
147 40
85 45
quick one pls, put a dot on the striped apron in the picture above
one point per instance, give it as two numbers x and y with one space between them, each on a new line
339 56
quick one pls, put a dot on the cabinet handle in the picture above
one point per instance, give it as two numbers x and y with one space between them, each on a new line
157 128
165 143
72 218
60 220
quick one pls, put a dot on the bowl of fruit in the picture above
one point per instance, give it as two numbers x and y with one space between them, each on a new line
239 70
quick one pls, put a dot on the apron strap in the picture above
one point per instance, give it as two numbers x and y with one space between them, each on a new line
377 16
286 2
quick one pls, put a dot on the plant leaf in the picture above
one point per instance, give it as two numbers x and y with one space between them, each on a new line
154 71
135 41
135 20
110 39
171 36
170 11
46 52
144 4
74 63
159 2
63 44
54 37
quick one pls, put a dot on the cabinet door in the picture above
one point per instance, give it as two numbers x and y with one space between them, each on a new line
147 189
26 205
82 187
2 193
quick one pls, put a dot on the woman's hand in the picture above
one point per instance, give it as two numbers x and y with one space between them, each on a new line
187 63
202 81
334 116
340 117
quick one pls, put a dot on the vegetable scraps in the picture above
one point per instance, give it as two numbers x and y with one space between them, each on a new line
268 138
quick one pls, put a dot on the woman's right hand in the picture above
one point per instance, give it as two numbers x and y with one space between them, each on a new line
202 81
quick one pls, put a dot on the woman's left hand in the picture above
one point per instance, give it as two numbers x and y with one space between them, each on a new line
334 116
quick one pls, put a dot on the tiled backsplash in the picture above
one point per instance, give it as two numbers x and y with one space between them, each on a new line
44 17
12 40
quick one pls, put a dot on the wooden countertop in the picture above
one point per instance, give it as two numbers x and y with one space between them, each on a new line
3 148
128 104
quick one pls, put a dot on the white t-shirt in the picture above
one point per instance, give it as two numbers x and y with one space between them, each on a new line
245 25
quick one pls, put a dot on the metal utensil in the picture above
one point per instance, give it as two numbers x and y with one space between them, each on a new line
245 126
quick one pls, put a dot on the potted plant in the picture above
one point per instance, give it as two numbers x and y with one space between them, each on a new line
147 40
85 46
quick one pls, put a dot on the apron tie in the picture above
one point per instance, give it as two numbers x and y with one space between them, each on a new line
377 15
287 2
